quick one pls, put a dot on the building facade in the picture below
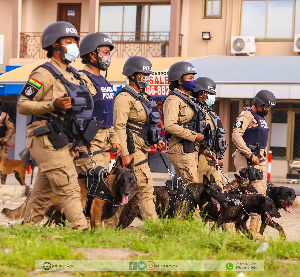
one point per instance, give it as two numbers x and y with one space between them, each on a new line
204 31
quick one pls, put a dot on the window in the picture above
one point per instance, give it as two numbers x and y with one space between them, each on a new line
212 9
270 19
279 134
135 19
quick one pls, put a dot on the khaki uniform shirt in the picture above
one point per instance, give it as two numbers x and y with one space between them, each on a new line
10 129
244 121
176 111
38 99
103 135
127 107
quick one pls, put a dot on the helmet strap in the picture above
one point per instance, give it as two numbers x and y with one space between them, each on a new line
97 63
135 81
62 53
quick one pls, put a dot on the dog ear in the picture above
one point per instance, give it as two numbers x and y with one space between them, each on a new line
118 161
117 165
212 178
237 176
205 180
130 165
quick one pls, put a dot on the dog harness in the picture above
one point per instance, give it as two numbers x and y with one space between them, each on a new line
97 187
177 191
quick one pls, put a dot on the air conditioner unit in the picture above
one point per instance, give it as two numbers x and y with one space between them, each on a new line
297 43
243 45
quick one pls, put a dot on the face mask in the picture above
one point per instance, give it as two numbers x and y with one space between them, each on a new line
72 52
144 82
211 99
189 85
263 113
105 63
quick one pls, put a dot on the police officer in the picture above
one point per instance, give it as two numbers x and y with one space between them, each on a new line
60 102
95 54
180 110
136 119
250 136
7 130
205 93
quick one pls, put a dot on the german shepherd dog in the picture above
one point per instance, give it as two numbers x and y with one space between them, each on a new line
121 182
239 214
13 166
283 198
238 186
207 190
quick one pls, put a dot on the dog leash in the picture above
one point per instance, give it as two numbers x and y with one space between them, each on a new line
168 169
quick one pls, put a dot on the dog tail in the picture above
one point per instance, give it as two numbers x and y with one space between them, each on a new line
17 213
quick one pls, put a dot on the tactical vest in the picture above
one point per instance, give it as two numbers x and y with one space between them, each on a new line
150 131
197 123
103 100
77 120
218 141
3 128
257 134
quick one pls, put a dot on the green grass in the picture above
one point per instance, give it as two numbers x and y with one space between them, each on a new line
168 240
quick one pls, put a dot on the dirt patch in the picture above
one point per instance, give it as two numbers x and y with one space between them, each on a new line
108 253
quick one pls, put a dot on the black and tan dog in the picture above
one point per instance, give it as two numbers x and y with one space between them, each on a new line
121 182
193 195
239 214
283 198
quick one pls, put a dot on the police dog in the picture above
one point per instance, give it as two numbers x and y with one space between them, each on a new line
239 214
13 166
208 190
121 182
283 198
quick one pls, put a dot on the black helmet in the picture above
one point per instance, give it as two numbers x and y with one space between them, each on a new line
265 98
205 84
93 41
58 30
177 70
137 64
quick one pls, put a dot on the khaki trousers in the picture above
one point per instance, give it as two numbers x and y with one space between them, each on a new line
55 180
185 166
205 169
144 190
240 162
4 156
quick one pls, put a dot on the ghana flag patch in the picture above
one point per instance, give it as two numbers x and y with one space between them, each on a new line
35 83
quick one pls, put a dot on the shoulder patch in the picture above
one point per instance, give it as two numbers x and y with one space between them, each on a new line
31 88
238 124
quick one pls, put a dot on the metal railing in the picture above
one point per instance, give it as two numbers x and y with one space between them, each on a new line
127 44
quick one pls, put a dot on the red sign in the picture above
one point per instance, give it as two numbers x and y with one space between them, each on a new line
159 84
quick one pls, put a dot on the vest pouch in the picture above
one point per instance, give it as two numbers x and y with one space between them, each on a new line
222 144
56 136
259 174
188 146
3 130
201 126
130 142
153 134
79 104
252 173
155 118
91 128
